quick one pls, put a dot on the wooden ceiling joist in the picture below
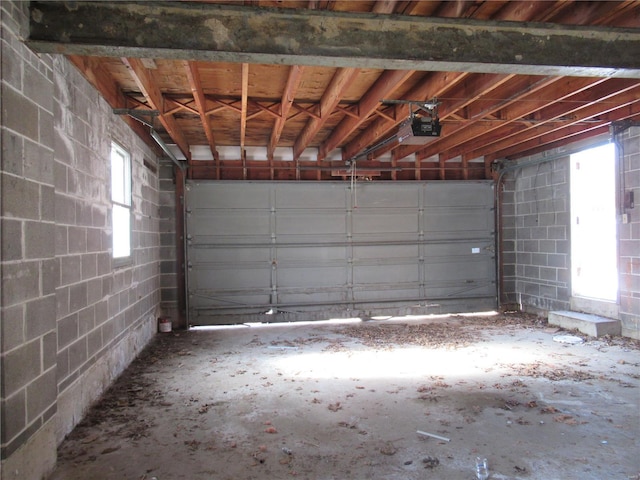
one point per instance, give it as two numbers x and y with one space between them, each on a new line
386 84
510 86
288 95
330 99
195 83
152 93
245 96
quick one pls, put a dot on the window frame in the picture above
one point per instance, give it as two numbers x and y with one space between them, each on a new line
121 199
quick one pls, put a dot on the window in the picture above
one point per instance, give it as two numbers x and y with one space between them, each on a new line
121 202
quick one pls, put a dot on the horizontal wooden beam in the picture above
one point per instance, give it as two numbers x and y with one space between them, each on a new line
238 33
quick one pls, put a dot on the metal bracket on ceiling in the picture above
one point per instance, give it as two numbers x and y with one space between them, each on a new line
429 106
138 114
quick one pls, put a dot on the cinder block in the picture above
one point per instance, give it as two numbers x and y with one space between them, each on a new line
60 176
38 87
20 282
77 240
99 216
40 316
13 424
12 152
62 301
70 269
83 214
62 365
86 320
94 290
94 341
108 331
77 296
21 366
11 239
67 330
63 148
592 325
41 394
12 327
50 271
37 241
49 350
47 203
104 263
77 354
169 295
558 260
20 198
94 239
65 209
62 247
12 68
38 162
21 113
89 266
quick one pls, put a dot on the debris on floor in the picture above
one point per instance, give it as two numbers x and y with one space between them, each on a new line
325 401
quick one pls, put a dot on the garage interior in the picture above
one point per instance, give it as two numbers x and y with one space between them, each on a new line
398 165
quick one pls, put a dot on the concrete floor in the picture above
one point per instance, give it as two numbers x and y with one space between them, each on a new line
344 401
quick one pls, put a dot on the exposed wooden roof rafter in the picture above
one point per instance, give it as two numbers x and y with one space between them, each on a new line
245 96
191 69
288 95
211 95
152 93
342 79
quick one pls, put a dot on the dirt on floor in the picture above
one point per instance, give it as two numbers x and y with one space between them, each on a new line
398 398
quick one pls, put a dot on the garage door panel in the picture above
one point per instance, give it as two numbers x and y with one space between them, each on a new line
385 274
381 196
313 299
308 195
305 249
222 196
449 289
234 223
406 293
466 194
440 223
386 253
309 276
219 300
389 222
212 258
458 268
237 277
316 221
311 255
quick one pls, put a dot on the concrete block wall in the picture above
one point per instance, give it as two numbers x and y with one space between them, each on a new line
168 253
71 320
535 234
629 233
100 306
28 403
535 216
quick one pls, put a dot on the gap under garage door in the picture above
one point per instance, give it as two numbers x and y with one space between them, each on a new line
295 251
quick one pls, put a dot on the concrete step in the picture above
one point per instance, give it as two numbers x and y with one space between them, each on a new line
588 324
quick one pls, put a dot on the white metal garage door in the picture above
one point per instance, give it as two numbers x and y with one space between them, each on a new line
287 251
